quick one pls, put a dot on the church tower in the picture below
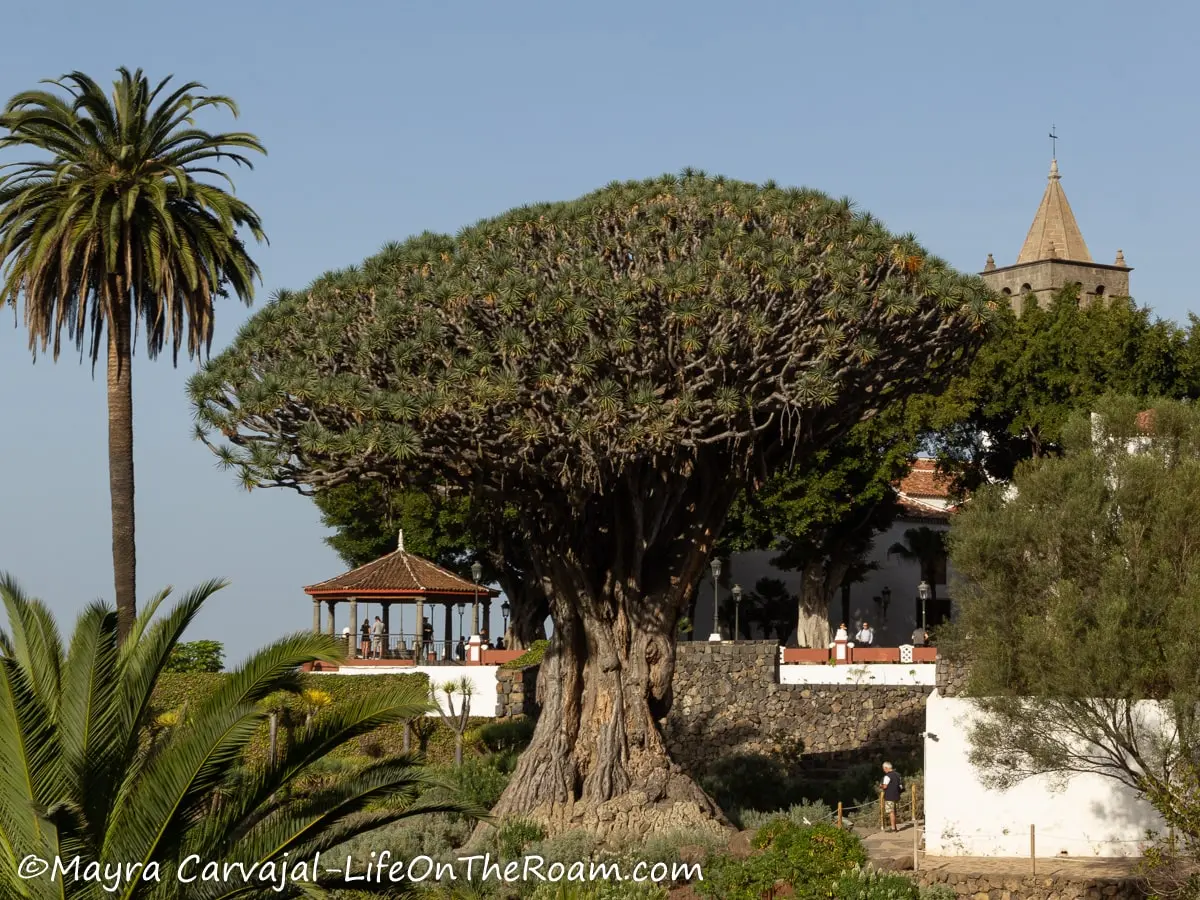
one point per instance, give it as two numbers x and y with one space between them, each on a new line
1054 256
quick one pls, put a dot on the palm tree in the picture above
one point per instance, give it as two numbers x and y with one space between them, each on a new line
927 548
79 775
113 232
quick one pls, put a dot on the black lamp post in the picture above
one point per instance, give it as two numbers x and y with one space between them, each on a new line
737 609
462 608
924 592
476 574
504 608
715 565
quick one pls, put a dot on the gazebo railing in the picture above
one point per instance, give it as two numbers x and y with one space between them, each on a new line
400 646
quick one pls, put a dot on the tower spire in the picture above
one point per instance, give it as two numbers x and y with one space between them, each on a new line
1054 234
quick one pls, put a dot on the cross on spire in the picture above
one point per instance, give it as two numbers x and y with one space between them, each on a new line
1053 143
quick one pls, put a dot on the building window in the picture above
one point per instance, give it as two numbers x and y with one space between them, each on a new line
1025 289
1099 290
1007 292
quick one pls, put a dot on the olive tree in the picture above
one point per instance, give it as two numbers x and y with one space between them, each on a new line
611 371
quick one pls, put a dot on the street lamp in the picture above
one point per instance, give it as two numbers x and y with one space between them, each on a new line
462 608
887 598
715 565
737 608
924 592
476 574
504 608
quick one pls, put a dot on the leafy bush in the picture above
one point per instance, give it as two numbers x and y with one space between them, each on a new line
507 735
748 781
566 848
673 846
196 656
808 859
869 884
531 657
477 782
514 835
799 814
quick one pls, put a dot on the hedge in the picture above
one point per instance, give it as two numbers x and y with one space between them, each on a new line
175 689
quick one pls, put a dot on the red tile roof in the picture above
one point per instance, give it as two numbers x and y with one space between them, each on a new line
398 574
914 509
924 481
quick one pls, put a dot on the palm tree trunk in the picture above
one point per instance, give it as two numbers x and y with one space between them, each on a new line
120 467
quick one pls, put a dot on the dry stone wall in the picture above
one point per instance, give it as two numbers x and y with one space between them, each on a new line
516 692
728 700
991 886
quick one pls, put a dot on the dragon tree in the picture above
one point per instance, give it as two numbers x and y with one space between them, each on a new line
611 371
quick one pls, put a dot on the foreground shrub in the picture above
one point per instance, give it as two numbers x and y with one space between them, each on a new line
749 781
809 859
507 735
602 890
798 814
869 884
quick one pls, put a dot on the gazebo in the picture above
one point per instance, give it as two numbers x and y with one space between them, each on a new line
402 578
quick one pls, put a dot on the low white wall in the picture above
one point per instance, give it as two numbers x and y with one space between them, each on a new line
484 700
1090 816
895 674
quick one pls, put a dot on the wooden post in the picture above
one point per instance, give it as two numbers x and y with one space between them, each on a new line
839 814
916 848
914 804
882 815
1032 852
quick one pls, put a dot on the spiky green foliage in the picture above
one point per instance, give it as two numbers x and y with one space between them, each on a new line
85 771
118 217
1080 597
561 350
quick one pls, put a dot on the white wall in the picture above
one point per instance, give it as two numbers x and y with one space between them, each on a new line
1091 816
900 575
868 673
484 700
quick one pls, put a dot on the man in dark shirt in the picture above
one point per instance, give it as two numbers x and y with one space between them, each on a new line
892 786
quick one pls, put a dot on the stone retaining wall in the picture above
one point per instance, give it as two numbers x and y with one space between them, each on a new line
1033 887
951 678
516 692
728 700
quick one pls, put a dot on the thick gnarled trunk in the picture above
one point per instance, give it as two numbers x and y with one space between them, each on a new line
597 760
120 467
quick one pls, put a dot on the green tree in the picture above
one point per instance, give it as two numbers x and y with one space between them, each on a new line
822 516
78 778
197 656
115 228
1039 368
1079 597
613 371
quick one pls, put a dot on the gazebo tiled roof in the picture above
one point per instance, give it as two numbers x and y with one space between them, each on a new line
399 574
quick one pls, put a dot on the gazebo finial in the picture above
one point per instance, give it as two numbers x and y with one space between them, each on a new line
400 540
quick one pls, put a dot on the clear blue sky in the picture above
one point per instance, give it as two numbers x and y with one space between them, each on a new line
386 119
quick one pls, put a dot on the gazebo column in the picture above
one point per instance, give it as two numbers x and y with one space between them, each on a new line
329 621
449 630
387 628
419 639
351 653
316 616
486 631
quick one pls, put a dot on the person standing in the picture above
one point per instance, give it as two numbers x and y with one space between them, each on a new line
892 785
865 637
377 638
364 639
